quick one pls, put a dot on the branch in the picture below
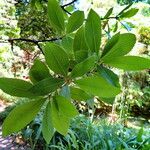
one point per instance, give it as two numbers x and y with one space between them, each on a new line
36 42
63 6
65 10
68 4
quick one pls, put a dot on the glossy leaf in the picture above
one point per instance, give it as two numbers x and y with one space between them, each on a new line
81 55
83 67
47 126
79 95
93 31
16 87
62 111
79 40
66 107
60 122
56 58
110 44
121 47
46 86
38 71
55 15
129 63
109 75
98 86
75 21
109 12
130 13
20 116
67 44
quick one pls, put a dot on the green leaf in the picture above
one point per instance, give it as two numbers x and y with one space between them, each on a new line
109 45
55 15
46 86
119 47
67 44
38 71
98 86
109 12
47 126
62 111
79 95
66 107
60 122
109 75
83 67
79 41
20 116
75 21
130 13
116 27
127 7
16 87
129 63
81 55
109 100
56 58
93 31
140 134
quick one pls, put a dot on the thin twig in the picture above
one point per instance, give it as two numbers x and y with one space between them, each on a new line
36 42
68 4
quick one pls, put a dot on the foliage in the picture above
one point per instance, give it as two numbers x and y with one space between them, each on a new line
101 135
85 134
146 11
66 68
144 33
126 2
137 93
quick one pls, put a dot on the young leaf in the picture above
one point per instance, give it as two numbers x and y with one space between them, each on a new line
116 27
20 116
109 75
130 13
16 87
121 47
129 63
47 126
38 71
93 31
79 41
98 86
75 21
79 95
56 58
46 86
109 12
83 67
127 7
55 15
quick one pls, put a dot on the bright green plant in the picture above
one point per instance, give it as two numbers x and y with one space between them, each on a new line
70 68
